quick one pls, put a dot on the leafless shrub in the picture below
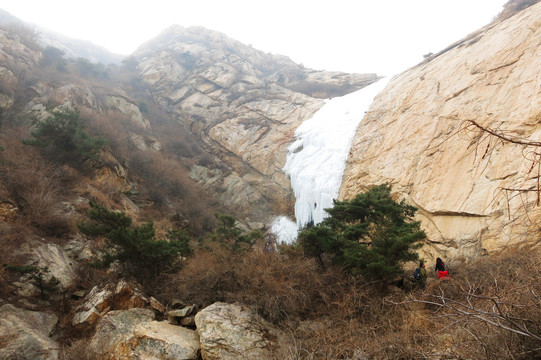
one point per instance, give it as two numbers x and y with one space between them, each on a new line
285 286
277 287
485 143
77 350
168 185
35 186
494 306
489 309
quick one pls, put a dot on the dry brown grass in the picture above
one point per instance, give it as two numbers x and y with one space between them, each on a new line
333 316
35 186
163 176
277 287
280 287
493 306
167 184
114 128
77 350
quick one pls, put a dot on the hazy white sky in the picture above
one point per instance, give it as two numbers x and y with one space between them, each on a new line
381 36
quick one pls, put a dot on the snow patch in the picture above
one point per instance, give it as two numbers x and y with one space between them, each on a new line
284 229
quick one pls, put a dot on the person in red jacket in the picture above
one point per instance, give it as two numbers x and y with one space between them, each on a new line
440 269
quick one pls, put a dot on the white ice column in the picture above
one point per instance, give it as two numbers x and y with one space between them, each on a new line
316 160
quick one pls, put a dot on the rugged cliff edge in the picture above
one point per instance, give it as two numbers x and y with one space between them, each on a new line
411 138
243 103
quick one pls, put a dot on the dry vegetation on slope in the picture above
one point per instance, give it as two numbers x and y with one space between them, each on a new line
490 309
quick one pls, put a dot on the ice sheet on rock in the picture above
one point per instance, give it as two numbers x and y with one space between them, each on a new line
316 160
284 229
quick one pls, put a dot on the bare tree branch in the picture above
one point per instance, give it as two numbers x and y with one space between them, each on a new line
478 135
500 135
497 317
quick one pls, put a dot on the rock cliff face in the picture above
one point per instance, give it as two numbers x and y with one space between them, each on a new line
244 105
15 58
413 137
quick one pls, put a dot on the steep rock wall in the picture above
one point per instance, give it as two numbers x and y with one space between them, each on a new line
411 138
243 104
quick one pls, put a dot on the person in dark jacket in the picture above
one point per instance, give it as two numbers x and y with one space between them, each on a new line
440 266
422 275
440 269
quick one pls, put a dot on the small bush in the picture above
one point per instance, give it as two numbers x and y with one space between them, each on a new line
135 247
167 183
34 186
278 288
230 236
54 57
89 70
492 305
64 139
77 350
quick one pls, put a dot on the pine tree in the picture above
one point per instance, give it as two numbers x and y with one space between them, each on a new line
371 235
63 138
230 236
135 247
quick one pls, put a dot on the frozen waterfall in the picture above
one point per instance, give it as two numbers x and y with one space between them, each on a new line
316 160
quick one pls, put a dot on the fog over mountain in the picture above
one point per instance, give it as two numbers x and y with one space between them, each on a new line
71 47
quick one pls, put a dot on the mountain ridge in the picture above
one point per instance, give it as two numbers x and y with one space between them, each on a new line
242 102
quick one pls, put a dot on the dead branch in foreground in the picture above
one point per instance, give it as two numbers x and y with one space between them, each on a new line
493 310
531 152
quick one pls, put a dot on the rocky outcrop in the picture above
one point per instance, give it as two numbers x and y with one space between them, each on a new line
101 300
25 334
244 105
72 48
133 334
79 249
56 260
17 48
224 331
16 57
148 143
411 137
161 340
126 106
115 327
231 331
8 211
238 106
183 316
47 271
